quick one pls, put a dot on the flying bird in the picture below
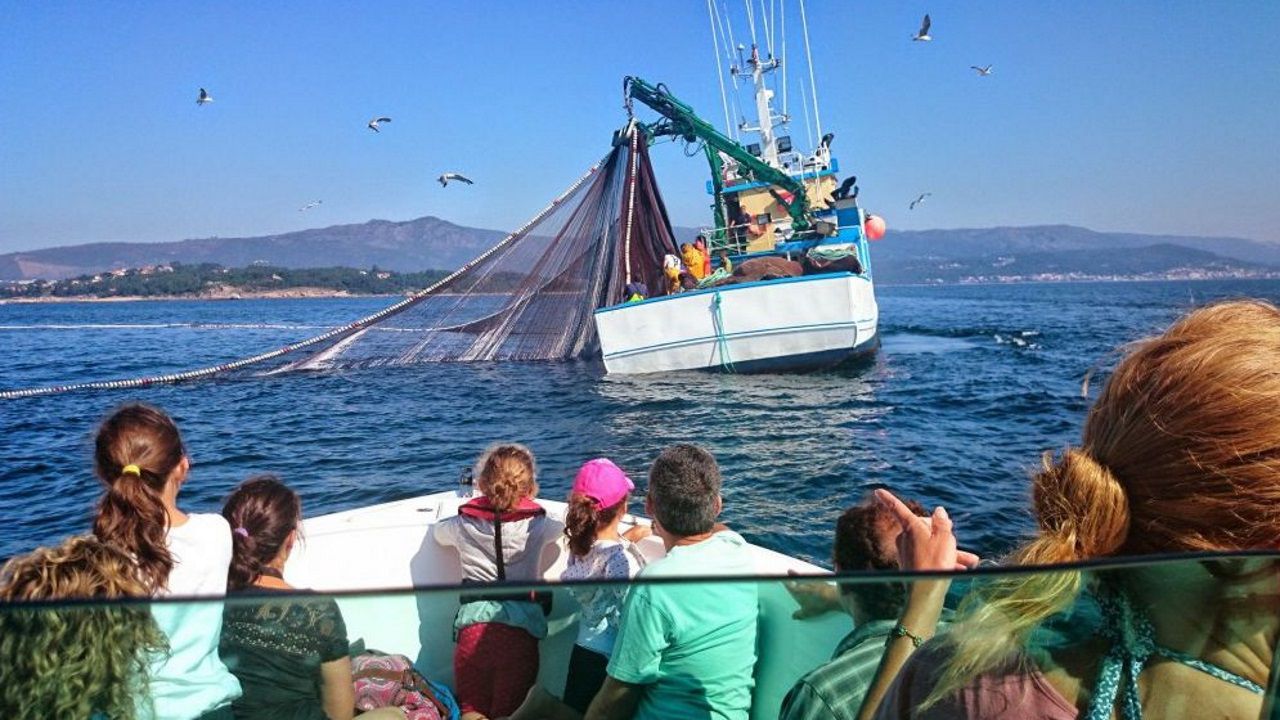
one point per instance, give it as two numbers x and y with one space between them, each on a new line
445 178
918 200
923 34
374 123
205 98
982 71
310 205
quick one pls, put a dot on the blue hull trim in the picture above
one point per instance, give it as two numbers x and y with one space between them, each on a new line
823 360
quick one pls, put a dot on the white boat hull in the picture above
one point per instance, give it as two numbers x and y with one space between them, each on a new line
798 323
385 547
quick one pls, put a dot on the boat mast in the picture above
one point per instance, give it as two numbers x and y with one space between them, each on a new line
766 120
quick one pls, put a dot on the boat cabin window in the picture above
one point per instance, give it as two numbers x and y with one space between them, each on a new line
1173 638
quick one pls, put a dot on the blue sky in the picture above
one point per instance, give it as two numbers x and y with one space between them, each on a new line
1148 117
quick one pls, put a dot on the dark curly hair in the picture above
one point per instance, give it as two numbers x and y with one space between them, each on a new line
860 545
684 489
262 512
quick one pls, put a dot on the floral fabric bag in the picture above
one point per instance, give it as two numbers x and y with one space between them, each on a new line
383 680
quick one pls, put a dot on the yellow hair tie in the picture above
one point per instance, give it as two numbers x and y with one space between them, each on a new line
131 470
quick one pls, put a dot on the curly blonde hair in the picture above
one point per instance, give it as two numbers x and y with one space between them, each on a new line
74 660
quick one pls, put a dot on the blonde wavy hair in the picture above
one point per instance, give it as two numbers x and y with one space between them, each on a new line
1180 453
74 660
507 473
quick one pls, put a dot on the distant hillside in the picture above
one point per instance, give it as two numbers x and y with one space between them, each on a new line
427 243
1063 252
963 242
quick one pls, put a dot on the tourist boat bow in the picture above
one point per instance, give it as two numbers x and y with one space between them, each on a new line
387 547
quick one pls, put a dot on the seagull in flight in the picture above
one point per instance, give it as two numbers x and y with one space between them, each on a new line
309 205
374 123
445 178
918 200
982 71
923 34
205 98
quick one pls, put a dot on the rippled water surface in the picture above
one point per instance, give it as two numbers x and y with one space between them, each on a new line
971 385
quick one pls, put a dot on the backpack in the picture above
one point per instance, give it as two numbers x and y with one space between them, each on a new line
383 680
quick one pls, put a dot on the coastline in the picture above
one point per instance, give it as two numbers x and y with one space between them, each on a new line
226 294
229 294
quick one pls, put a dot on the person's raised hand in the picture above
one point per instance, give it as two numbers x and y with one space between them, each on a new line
926 543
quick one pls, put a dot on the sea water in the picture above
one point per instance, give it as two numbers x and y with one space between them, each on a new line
971 385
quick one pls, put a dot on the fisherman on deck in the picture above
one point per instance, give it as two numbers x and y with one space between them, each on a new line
725 263
636 291
700 243
694 260
671 270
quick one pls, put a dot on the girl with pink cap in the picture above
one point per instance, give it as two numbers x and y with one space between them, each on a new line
597 551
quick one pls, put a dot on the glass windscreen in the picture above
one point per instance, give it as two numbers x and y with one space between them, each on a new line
1165 638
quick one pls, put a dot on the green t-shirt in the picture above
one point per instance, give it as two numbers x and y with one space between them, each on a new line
692 645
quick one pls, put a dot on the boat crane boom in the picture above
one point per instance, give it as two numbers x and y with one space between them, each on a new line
682 121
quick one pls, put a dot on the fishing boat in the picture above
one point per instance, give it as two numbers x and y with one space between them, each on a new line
802 294
387 548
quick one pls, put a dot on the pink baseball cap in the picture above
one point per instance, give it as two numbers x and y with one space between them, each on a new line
603 482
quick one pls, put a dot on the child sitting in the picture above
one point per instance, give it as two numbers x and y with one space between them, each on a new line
500 536
597 552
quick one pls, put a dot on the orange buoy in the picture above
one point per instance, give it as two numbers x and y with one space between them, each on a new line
874 227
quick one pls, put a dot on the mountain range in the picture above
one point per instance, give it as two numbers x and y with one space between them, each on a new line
932 256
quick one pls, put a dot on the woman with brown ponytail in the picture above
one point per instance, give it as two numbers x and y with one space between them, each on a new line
501 536
1180 453
290 653
140 459
597 551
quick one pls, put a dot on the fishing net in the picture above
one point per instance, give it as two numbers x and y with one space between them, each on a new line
530 297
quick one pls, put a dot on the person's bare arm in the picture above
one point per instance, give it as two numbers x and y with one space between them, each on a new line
925 544
637 533
814 597
337 689
616 700
920 618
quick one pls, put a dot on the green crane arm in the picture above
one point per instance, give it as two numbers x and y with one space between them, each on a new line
684 122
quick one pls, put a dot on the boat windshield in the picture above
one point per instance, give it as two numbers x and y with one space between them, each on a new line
1168 637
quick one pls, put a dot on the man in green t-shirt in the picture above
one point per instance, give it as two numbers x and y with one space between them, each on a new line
685 650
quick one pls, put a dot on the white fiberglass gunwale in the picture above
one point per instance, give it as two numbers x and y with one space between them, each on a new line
385 547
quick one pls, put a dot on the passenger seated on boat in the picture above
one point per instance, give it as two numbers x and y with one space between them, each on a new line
683 649
1178 454
290 653
83 661
866 539
141 462
597 551
501 535
636 291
